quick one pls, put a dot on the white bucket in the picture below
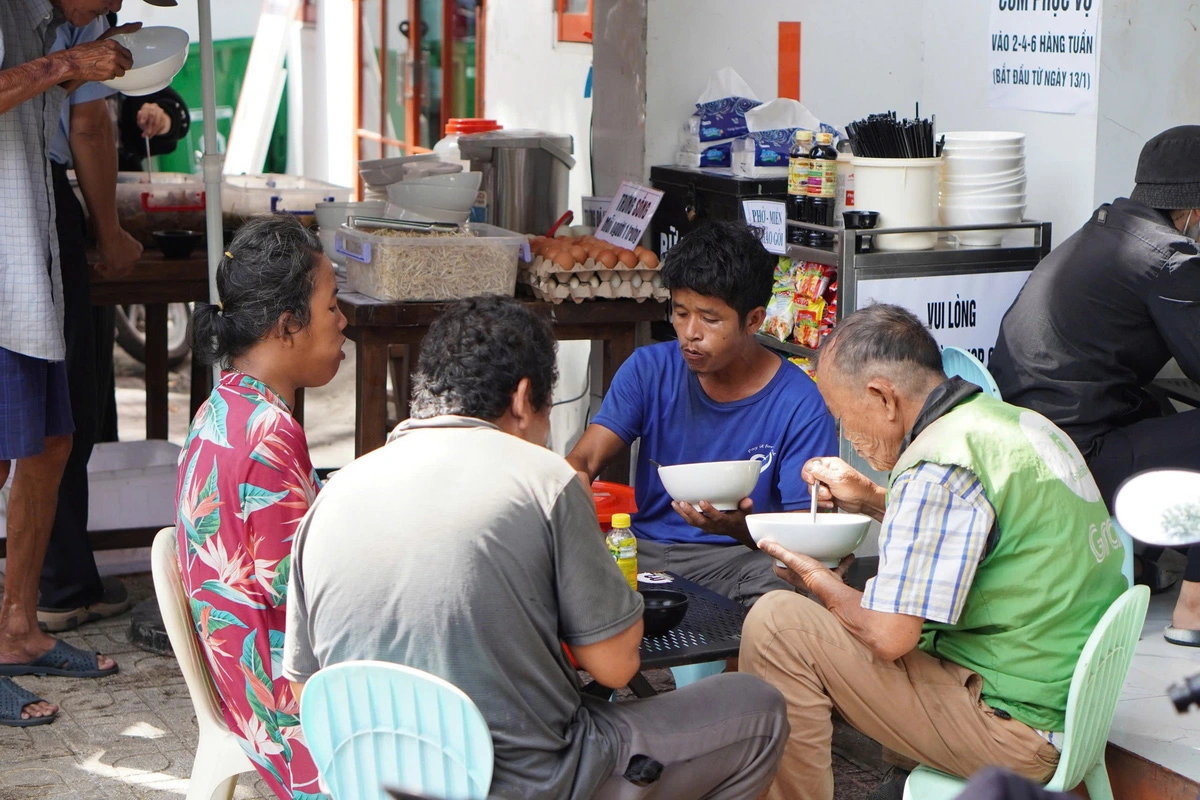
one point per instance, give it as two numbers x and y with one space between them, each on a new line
905 193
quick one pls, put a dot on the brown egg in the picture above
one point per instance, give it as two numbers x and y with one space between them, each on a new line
607 259
627 258
563 259
650 260
579 254
640 252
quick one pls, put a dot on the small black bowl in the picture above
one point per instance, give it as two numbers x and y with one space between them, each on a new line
860 220
665 608
177 244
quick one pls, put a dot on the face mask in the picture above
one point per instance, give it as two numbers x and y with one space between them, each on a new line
1192 231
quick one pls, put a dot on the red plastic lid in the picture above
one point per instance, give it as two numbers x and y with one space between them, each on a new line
471 125
612 498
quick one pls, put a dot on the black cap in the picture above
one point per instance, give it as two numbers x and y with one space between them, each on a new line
1168 171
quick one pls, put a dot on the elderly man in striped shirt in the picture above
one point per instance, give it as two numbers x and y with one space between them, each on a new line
997 558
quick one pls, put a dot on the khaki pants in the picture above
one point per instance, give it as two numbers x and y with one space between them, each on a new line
920 706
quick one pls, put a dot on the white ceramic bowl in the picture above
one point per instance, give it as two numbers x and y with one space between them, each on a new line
989 215
416 194
982 165
981 152
457 180
983 138
158 54
830 539
331 215
983 190
424 214
984 179
985 201
722 483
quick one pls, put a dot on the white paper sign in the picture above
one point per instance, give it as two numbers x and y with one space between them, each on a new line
629 214
960 310
771 217
1042 55
593 210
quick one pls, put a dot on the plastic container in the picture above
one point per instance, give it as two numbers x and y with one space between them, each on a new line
174 201
905 193
394 265
612 498
132 485
447 147
245 196
622 545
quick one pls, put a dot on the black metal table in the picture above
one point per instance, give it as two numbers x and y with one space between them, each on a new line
710 631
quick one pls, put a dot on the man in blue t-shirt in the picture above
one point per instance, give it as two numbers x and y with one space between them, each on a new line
714 395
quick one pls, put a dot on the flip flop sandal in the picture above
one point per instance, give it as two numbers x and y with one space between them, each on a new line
1182 636
115 601
62 660
12 700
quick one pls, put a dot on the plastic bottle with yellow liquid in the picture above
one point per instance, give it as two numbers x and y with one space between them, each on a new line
623 546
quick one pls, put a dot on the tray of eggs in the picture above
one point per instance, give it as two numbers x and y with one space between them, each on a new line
582 268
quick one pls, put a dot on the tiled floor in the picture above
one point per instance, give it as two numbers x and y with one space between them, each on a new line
1146 721
132 736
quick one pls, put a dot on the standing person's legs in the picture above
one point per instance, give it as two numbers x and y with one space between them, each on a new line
69 579
104 320
736 572
721 738
35 433
1163 443
919 706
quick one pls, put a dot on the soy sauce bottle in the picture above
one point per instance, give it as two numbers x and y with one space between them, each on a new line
798 169
822 189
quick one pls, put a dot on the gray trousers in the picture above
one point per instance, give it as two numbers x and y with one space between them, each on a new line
735 571
718 738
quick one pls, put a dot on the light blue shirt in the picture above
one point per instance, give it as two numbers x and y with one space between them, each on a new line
69 36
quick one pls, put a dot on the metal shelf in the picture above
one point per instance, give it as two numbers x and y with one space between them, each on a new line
785 347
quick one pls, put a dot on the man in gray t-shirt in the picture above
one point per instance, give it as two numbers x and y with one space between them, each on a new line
466 549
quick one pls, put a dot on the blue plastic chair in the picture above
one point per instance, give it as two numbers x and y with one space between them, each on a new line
690 673
958 362
370 724
1091 703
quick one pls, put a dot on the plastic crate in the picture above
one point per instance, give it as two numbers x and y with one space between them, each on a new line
390 267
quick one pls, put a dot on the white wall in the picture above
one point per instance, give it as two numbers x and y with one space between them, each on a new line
1149 73
534 81
874 55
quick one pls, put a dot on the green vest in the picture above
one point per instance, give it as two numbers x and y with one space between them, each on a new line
1054 566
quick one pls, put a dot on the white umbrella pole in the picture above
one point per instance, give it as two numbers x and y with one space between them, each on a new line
212 159
214 223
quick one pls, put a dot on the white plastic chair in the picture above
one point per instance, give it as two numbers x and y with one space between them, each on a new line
371 724
219 756
1091 703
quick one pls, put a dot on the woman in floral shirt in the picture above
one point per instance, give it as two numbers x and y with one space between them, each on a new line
245 480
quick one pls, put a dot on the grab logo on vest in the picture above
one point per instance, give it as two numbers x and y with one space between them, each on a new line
1061 455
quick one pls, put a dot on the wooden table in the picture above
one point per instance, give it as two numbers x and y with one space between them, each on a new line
375 325
155 282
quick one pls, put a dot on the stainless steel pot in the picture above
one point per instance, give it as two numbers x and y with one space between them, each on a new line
525 176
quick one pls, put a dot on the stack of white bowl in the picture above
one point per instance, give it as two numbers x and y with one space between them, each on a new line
983 182
436 198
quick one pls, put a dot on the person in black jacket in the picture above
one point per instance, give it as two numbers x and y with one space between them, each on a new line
1100 317
161 117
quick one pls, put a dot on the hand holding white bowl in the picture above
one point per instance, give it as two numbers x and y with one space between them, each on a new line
798 569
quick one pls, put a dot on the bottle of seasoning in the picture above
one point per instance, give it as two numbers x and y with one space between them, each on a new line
822 188
798 169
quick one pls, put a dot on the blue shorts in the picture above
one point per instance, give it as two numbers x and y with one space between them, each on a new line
34 404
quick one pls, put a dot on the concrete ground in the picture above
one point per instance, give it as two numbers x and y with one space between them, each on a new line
133 734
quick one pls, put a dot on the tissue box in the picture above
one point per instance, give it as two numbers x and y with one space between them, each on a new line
723 119
763 154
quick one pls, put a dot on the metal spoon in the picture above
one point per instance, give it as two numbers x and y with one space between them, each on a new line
655 463
149 166
812 509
